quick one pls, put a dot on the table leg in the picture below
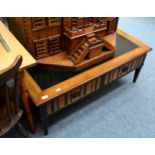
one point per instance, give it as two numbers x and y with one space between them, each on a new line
138 70
25 102
44 118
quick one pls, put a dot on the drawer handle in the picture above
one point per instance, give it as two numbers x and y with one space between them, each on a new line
75 94
124 69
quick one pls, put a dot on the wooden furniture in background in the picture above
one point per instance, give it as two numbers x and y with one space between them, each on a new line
7 58
10 110
52 91
37 34
1 18
68 43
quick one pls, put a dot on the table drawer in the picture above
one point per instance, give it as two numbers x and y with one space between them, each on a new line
123 70
73 95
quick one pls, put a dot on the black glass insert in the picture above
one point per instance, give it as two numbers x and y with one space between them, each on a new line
123 45
47 78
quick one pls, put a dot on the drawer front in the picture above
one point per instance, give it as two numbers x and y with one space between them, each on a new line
123 70
73 95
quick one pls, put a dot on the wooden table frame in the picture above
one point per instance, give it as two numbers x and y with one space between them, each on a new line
43 98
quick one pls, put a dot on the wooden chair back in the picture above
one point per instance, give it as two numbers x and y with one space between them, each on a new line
11 71
6 75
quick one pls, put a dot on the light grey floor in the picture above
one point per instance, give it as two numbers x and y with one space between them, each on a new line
124 109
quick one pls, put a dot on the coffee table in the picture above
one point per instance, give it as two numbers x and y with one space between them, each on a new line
52 91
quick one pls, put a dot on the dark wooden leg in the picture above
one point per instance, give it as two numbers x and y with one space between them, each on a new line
25 102
137 72
44 119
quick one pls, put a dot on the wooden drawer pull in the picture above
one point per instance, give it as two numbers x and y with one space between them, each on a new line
125 69
75 94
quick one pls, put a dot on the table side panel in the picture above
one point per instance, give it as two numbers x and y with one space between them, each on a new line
93 85
123 70
73 95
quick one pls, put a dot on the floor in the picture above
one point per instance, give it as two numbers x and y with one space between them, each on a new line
123 109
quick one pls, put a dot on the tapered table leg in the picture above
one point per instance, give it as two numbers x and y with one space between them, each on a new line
137 72
44 118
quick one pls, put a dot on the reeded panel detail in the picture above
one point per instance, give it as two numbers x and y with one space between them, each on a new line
122 70
73 95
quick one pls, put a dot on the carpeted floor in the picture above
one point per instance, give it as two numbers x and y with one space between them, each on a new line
123 109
